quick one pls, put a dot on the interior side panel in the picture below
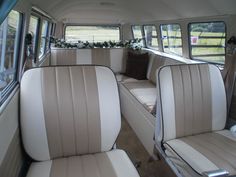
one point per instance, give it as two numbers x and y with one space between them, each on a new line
11 156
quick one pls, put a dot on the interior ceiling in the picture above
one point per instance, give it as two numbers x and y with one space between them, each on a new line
124 11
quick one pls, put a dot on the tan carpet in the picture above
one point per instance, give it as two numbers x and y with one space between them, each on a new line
129 142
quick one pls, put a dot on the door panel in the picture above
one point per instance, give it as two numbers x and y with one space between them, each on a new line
11 156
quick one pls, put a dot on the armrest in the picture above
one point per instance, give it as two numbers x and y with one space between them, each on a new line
216 173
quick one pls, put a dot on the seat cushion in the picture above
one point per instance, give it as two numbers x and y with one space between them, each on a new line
122 78
110 164
206 152
145 92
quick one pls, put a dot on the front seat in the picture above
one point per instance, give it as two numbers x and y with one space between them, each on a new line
191 120
70 119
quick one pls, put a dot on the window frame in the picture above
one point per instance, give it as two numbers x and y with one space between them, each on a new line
142 32
158 47
36 42
93 25
49 30
40 57
190 46
37 45
163 48
6 92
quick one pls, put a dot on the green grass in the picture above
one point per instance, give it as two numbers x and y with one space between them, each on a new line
93 34
201 41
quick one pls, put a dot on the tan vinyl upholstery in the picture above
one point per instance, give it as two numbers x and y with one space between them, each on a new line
192 117
157 62
70 124
115 58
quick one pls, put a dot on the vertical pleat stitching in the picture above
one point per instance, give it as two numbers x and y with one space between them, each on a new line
201 116
82 167
206 98
100 170
203 147
67 166
184 106
73 112
178 100
94 122
191 84
97 164
171 70
44 119
86 95
59 115
218 143
202 105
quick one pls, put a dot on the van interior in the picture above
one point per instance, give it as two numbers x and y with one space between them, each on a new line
105 88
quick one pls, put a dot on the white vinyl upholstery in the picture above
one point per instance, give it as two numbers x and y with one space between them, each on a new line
110 164
192 100
191 117
144 91
115 58
74 102
70 123
156 62
206 152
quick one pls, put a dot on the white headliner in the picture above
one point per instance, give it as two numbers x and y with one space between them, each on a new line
124 11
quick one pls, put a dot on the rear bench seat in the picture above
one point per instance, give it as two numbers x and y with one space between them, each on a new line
113 58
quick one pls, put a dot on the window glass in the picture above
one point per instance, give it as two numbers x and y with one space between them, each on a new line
33 30
171 38
91 34
9 39
137 33
151 36
43 38
207 41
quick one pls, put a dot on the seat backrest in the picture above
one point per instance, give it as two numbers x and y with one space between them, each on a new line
191 100
70 110
115 58
155 63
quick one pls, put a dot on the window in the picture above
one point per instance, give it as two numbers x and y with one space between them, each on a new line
91 34
48 36
33 30
151 36
9 40
137 33
207 41
171 38
43 38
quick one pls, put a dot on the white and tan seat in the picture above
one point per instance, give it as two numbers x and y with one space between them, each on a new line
70 119
192 118
144 91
